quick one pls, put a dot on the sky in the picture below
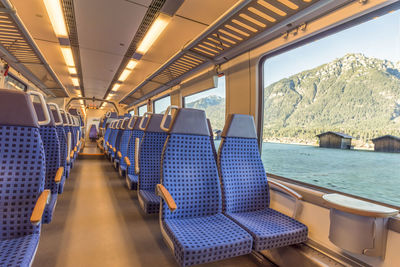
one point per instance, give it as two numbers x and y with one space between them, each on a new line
379 38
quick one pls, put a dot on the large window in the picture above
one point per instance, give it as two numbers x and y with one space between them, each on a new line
213 102
12 82
342 91
142 110
132 112
161 104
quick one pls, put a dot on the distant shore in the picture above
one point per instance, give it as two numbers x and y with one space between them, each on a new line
363 147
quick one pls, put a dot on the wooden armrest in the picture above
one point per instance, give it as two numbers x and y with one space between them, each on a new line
137 143
71 155
59 175
128 162
114 149
40 205
119 154
75 149
166 196
285 189
107 143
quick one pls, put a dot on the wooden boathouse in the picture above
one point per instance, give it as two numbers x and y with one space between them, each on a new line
335 140
387 143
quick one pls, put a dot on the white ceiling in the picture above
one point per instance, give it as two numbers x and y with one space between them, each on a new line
105 31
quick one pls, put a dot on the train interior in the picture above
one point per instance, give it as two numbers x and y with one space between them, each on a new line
199 132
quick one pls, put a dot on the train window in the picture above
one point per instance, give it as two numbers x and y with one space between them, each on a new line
132 112
213 102
12 82
161 104
142 110
343 92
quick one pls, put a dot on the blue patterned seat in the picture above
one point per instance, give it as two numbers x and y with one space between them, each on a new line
110 137
245 188
137 135
51 144
22 168
67 131
123 148
62 138
121 131
113 139
150 152
197 229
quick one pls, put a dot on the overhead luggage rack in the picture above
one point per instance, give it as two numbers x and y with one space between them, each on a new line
247 21
21 52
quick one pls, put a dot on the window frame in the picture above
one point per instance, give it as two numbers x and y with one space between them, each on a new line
158 99
260 91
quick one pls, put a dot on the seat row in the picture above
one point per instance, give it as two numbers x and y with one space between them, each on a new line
38 146
212 206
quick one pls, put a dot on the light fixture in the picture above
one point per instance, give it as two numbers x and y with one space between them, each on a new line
116 86
124 75
153 33
72 70
131 64
75 81
68 57
56 16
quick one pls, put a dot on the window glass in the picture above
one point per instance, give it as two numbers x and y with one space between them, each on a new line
213 102
343 92
142 110
160 105
132 112
11 82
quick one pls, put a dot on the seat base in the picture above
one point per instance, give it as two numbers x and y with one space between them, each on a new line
49 210
206 239
122 170
18 251
149 201
131 181
61 185
270 228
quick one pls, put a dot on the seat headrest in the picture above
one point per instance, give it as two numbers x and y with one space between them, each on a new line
64 118
137 124
41 116
189 121
125 124
118 125
153 123
133 121
73 111
16 109
239 125
54 113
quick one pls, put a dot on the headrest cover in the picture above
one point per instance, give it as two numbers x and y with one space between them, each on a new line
138 120
189 121
16 109
40 114
64 118
113 115
153 124
239 125
119 124
55 115
73 111
125 124
133 121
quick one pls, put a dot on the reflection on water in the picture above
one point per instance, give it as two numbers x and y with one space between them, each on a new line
366 174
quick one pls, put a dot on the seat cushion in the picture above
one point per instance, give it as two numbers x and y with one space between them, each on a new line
18 251
48 211
270 228
132 180
150 201
205 239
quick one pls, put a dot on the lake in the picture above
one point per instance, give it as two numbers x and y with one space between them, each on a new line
372 175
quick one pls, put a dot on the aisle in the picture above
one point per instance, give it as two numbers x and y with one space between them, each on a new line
98 222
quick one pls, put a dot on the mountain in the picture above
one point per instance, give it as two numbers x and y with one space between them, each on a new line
214 107
353 94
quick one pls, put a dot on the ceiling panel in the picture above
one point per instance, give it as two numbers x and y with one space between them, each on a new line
105 30
205 11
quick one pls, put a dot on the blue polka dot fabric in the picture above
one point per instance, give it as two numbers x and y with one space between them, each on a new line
118 142
113 139
132 177
106 137
151 148
22 172
123 148
63 155
246 196
200 233
52 152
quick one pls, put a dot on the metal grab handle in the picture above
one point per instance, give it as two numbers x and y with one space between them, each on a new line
134 117
44 107
141 127
58 114
164 119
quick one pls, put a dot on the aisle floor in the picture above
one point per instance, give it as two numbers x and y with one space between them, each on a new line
98 222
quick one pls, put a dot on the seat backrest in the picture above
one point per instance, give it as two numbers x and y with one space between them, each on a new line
62 137
121 130
93 131
126 136
51 144
189 171
136 137
150 152
115 133
243 178
22 164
